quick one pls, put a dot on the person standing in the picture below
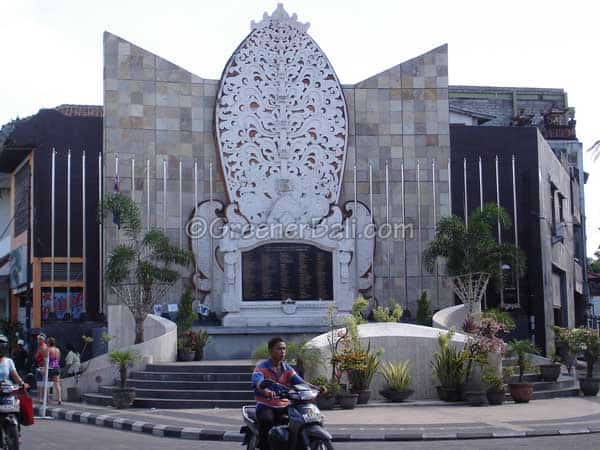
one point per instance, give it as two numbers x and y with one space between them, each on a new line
40 361
54 368
21 358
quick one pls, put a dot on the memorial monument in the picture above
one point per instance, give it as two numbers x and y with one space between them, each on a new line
294 191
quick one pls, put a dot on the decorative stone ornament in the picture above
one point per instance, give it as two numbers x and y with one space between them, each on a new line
281 125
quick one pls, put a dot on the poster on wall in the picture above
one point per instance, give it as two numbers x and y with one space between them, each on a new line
46 304
60 304
18 267
76 304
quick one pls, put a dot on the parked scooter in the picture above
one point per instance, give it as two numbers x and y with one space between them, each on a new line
9 416
304 429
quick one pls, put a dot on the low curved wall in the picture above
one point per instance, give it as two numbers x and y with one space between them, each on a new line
451 317
399 341
160 346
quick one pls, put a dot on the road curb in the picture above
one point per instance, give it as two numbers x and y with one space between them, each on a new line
206 434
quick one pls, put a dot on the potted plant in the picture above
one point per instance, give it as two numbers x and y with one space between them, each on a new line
521 391
550 372
186 347
327 398
589 344
448 366
567 346
495 386
397 381
201 339
123 396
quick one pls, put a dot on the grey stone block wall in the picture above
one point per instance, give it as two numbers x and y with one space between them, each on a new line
157 111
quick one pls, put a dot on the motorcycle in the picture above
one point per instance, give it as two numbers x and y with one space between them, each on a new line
9 417
304 429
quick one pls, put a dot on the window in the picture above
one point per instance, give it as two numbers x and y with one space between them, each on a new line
553 204
561 201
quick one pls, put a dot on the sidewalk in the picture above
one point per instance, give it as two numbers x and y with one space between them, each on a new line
410 421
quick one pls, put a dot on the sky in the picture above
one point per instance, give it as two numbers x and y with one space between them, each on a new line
51 50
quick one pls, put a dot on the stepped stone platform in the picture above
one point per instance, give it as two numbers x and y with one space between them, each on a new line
202 384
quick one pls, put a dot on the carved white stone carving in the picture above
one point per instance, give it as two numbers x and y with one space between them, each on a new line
281 125
365 243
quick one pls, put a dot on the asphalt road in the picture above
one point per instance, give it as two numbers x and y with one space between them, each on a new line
61 435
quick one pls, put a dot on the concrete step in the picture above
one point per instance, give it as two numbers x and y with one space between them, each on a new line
189 385
170 394
200 368
190 376
106 400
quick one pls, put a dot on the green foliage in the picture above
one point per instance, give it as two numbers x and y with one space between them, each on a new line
144 266
423 312
473 248
358 308
490 377
397 375
522 349
185 314
388 314
581 341
449 362
332 388
502 317
122 359
193 341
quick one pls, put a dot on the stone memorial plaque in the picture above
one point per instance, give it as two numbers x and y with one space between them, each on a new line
276 272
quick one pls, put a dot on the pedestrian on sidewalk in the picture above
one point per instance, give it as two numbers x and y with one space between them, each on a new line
54 368
40 361
21 358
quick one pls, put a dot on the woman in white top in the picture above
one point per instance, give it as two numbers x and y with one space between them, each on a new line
7 366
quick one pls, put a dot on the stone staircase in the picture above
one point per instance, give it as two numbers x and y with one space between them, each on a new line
203 384
565 386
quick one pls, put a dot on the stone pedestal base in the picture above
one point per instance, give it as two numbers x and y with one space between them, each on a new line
270 314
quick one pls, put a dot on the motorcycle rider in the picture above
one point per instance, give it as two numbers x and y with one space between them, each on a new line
270 410
7 366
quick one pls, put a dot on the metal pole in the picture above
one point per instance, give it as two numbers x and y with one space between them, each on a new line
354 225
180 204
450 185
465 191
165 194
52 227
133 179
387 215
372 221
516 225
195 214
212 252
100 243
69 230
404 237
499 228
147 194
419 227
437 271
83 233
45 398
480 184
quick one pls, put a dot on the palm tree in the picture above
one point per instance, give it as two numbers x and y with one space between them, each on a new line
143 268
472 255
595 150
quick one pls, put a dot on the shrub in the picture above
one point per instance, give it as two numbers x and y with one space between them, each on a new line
388 314
449 363
185 315
423 312
397 375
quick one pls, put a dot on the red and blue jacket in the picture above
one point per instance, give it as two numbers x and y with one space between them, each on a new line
264 371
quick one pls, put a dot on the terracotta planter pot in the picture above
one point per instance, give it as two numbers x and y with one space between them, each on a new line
476 398
123 398
447 394
549 372
396 396
363 397
589 386
521 392
187 356
495 397
326 402
347 400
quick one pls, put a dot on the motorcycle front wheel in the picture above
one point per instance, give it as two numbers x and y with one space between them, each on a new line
10 437
321 445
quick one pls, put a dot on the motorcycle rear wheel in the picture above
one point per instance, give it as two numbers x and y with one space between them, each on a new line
321 445
252 442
